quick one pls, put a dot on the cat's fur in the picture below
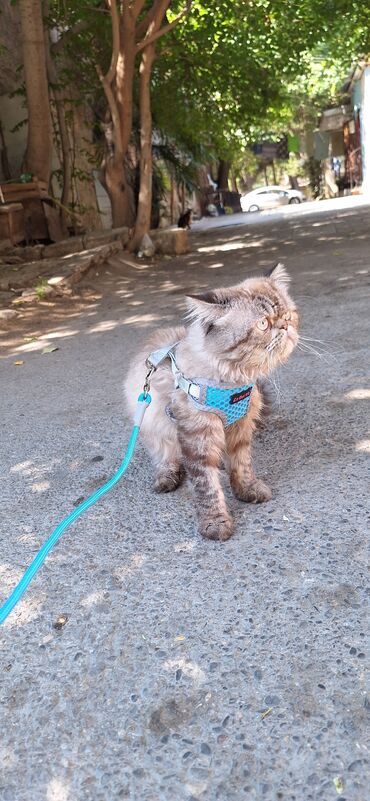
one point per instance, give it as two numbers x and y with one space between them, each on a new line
184 220
224 343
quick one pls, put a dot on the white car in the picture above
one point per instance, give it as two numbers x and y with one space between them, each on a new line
269 197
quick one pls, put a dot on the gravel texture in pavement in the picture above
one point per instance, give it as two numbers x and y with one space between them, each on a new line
145 663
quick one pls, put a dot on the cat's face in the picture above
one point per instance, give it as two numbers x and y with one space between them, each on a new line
253 324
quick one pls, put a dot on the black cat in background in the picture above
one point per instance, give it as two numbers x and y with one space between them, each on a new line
185 219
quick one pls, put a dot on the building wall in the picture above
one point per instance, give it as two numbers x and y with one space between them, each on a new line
365 129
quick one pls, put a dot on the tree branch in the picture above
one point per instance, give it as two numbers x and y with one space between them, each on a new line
115 41
137 7
143 25
113 108
152 37
106 80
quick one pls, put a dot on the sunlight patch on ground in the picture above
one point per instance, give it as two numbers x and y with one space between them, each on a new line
327 238
22 467
57 790
136 561
185 545
42 342
358 394
227 246
76 464
169 286
196 789
189 668
363 446
144 319
69 256
62 332
9 576
300 213
7 757
28 468
105 325
29 607
94 598
40 486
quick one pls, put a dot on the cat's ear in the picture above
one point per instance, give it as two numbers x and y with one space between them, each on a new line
207 307
279 274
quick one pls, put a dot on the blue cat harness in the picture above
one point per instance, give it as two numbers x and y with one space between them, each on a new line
229 403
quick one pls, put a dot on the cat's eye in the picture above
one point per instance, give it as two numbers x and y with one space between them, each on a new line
263 324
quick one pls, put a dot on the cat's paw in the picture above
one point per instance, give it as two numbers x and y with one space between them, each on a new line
216 528
254 492
168 481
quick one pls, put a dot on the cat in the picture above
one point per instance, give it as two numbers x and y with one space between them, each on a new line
185 219
234 337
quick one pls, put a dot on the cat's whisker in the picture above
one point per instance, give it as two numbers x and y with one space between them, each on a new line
310 348
317 342
311 339
317 349
273 380
305 347
321 345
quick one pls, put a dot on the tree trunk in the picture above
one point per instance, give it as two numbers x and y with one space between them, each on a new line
115 183
234 184
39 139
4 156
131 35
223 175
65 156
74 140
84 154
115 178
142 224
124 80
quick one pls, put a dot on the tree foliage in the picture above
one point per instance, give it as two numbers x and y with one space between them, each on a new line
238 71
231 73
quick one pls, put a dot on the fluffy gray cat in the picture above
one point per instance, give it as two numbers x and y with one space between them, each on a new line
234 337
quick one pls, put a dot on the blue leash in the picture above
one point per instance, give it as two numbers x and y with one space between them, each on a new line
143 402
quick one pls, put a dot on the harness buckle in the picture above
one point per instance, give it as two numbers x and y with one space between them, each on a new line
194 391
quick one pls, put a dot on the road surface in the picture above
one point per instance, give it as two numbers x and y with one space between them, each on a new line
187 669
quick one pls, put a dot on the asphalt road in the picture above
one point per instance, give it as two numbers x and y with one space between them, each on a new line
187 669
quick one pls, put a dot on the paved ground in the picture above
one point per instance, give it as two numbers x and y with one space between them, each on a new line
188 669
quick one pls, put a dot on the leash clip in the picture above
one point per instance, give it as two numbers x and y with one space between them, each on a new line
148 376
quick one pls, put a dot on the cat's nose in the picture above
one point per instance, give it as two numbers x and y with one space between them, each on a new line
284 324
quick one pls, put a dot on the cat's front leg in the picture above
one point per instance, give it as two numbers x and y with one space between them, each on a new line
202 442
244 484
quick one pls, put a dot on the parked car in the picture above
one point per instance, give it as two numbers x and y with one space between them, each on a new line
269 197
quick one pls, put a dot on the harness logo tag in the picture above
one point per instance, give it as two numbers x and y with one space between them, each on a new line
239 396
